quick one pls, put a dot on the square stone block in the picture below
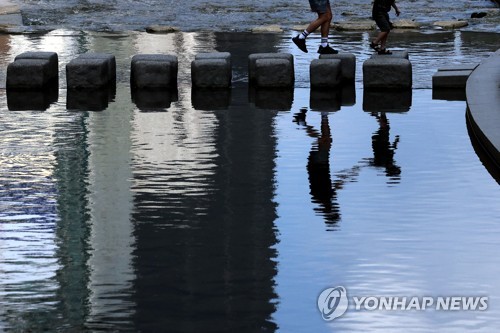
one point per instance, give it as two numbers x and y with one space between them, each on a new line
274 73
28 74
348 64
214 55
458 67
387 73
51 57
169 58
211 73
252 58
87 73
325 73
110 59
152 74
450 79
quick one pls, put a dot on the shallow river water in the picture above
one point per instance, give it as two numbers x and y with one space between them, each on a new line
230 15
231 211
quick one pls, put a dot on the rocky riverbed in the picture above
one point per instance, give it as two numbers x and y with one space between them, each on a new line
237 15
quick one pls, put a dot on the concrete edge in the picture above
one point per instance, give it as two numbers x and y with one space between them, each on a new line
10 17
483 105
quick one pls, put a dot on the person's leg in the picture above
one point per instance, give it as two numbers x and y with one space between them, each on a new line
382 36
325 26
383 41
382 21
322 7
322 21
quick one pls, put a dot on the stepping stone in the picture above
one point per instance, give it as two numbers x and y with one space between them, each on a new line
29 74
51 57
325 73
87 73
403 54
252 60
348 64
450 79
274 73
387 73
211 70
108 57
143 75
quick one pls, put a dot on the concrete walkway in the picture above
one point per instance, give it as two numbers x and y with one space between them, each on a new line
483 101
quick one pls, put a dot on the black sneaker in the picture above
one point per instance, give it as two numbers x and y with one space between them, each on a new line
327 50
301 43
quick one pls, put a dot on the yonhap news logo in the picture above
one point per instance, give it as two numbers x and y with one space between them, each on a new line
333 303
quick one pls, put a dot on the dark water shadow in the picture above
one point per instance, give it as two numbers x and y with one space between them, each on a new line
271 98
210 99
387 100
34 100
154 99
449 94
204 229
90 99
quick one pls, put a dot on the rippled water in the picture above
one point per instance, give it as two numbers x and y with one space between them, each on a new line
226 15
233 211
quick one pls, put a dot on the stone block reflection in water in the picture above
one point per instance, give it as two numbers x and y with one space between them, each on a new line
88 99
210 99
271 98
387 101
154 99
32 100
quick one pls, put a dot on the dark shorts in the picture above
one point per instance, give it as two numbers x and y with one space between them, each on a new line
382 20
319 6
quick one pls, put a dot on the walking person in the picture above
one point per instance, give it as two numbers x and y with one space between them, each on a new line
324 11
380 13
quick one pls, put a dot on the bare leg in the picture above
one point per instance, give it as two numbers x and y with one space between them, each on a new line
323 20
381 38
325 27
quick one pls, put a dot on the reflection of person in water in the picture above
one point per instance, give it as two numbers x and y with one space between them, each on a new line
323 191
383 149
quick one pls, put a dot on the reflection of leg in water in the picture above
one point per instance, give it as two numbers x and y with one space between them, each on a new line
323 191
318 168
383 149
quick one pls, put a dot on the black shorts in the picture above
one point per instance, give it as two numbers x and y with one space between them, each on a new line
319 6
382 20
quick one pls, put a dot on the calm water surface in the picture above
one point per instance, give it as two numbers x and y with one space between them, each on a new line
232 211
